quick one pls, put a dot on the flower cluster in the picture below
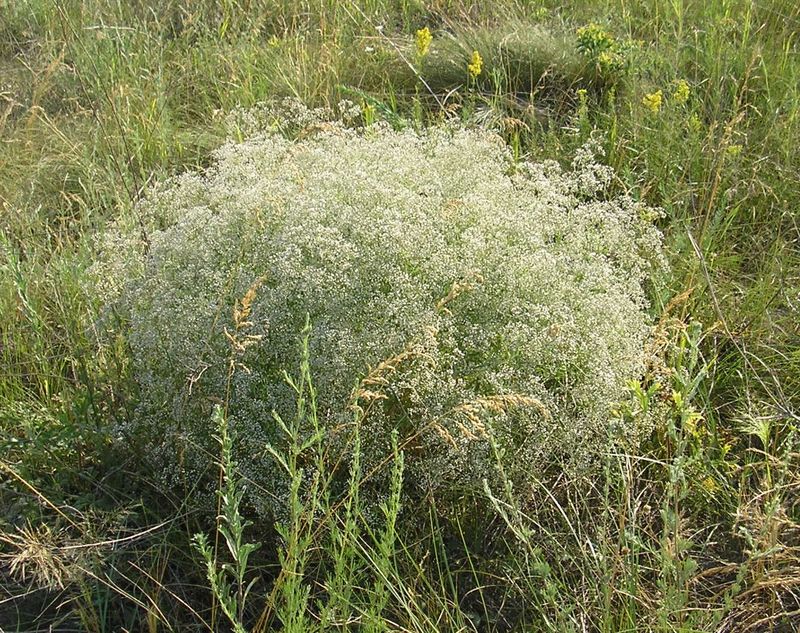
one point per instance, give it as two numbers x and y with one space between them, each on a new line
477 307
475 66
681 92
600 47
652 101
423 42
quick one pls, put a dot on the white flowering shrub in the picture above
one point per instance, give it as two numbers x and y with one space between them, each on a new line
483 310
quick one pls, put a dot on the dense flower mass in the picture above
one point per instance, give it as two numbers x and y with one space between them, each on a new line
481 309
681 92
475 65
423 42
653 101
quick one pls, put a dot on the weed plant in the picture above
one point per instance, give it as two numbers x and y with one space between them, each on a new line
424 260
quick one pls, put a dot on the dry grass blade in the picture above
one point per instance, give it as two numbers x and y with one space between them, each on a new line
497 404
36 556
465 284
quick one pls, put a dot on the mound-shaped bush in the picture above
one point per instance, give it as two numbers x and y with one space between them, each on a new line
481 309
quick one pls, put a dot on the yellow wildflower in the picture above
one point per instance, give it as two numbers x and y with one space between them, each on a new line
423 41
690 423
710 485
681 93
605 60
653 101
593 38
476 65
733 150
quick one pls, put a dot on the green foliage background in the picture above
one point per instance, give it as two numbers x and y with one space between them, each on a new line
699 527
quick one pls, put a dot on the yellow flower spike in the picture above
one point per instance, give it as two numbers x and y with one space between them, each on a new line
653 101
476 65
681 93
423 41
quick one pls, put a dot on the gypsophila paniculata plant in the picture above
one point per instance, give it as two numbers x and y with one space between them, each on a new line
455 297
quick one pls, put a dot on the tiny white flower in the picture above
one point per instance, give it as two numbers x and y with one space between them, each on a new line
511 293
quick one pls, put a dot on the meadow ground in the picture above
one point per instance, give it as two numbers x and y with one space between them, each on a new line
697 108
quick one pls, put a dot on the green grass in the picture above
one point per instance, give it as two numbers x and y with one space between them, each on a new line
100 99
